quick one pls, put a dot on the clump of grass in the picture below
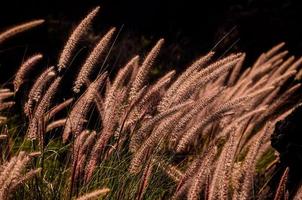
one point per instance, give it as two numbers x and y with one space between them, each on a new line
201 134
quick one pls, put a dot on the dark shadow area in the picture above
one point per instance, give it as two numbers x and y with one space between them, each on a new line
190 28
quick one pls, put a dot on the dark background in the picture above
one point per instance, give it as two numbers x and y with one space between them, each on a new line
190 28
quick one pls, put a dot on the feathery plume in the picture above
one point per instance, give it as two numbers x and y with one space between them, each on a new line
236 71
19 28
110 121
217 114
11 175
153 141
151 98
94 195
157 88
148 126
73 40
82 153
295 65
283 67
172 171
56 124
199 106
274 50
183 77
221 177
29 175
145 180
117 83
281 190
24 69
77 115
52 112
201 175
199 79
145 68
5 95
92 60
2 137
250 162
6 105
37 89
42 108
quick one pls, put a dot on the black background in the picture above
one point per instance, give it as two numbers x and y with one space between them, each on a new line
190 28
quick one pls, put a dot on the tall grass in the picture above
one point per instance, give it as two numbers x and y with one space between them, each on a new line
197 135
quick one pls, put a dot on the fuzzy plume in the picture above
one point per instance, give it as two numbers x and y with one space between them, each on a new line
24 69
145 69
92 60
74 39
19 29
